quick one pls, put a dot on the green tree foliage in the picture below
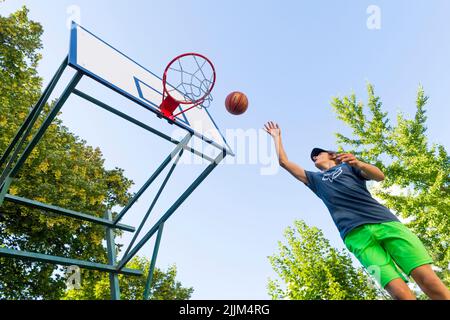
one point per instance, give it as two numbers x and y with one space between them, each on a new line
164 286
310 269
411 164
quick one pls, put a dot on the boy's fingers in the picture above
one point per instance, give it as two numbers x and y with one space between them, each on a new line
349 155
270 125
345 156
351 158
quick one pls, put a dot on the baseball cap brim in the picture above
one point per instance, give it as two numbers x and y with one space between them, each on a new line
316 152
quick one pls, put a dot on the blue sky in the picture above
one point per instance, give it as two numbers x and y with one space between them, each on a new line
290 58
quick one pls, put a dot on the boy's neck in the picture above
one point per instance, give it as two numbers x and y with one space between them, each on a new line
328 165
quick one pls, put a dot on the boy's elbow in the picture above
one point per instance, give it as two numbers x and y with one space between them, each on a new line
380 178
283 163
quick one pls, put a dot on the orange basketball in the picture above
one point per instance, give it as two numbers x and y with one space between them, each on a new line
236 103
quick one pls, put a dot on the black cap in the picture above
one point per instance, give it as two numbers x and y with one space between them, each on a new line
316 152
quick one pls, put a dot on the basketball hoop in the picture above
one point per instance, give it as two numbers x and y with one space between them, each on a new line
187 80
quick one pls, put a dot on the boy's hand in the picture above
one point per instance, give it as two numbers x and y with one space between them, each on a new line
273 129
348 158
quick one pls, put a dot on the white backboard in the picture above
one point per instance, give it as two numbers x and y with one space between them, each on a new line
105 64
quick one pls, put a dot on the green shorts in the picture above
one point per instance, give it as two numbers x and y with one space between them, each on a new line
387 249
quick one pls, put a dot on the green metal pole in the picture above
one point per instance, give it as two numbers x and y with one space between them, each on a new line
111 247
33 115
66 212
53 113
138 123
4 190
180 124
153 177
151 270
34 256
163 185
171 210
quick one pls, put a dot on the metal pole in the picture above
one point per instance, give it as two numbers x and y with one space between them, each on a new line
34 256
151 270
138 123
179 124
111 247
171 210
4 189
53 113
45 208
33 115
163 185
153 177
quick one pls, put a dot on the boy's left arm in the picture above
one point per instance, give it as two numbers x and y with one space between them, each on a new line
367 170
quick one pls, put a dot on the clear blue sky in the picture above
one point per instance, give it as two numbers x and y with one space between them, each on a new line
290 58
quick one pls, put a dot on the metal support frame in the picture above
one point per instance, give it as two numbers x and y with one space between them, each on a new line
171 210
151 270
27 125
111 247
14 157
152 178
11 172
138 123
163 185
25 255
68 213
4 189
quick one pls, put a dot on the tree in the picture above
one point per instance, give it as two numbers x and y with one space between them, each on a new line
419 170
164 286
311 269
62 170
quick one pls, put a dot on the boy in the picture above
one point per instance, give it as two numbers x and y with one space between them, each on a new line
369 230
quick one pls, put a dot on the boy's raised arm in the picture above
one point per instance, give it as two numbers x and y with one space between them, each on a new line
298 172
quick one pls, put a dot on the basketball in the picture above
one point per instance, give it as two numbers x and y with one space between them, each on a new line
236 103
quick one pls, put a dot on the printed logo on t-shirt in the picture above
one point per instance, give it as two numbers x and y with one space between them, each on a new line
332 175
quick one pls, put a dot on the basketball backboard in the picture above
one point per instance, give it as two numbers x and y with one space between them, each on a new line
107 65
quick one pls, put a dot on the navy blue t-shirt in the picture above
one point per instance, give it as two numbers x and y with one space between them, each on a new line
344 192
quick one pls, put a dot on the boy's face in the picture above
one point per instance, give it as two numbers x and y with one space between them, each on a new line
322 158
